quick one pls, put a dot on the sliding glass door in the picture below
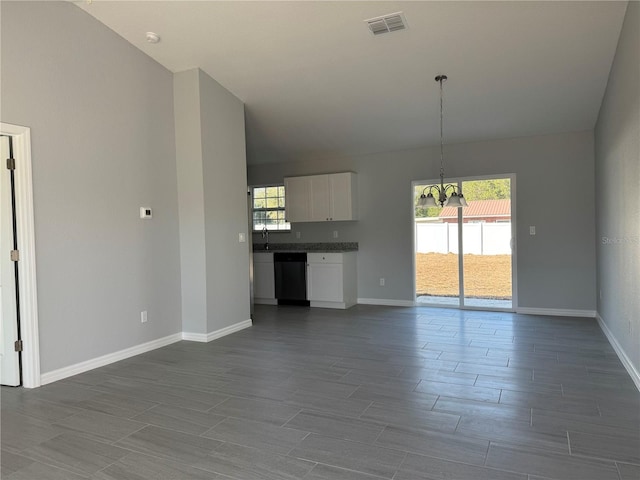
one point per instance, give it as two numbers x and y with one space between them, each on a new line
437 261
463 257
486 240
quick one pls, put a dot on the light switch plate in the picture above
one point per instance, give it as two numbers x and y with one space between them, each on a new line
532 230
242 238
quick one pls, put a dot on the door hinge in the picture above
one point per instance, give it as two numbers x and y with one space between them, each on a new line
15 255
11 163
18 346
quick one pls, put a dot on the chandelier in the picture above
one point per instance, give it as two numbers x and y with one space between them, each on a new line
456 199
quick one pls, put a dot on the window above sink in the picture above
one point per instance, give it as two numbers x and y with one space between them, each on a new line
268 208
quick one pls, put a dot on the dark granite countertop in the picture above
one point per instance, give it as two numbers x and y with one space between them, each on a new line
337 247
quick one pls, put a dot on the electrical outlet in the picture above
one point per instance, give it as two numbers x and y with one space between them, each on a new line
335 234
297 234
382 281
532 230
143 317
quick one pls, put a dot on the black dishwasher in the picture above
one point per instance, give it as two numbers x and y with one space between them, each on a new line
290 270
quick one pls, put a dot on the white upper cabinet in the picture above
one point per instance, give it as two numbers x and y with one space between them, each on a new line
297 203
321 198
320 201
343 196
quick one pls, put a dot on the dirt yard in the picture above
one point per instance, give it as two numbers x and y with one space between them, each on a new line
486 276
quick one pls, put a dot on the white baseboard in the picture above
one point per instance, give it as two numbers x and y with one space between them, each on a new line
334 305
194 337
553 312
207 337
626 361
265 301
87 365
386 302
556 312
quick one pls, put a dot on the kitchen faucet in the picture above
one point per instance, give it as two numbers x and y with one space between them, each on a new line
265 234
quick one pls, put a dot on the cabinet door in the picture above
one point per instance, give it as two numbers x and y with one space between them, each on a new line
263 280
297 199
341 207
320 202
324 282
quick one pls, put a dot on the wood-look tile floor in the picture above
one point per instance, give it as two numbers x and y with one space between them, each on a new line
364 394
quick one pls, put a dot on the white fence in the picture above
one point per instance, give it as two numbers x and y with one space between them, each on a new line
479 238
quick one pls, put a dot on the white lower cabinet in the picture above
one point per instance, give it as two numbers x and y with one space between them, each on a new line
331 279
264 289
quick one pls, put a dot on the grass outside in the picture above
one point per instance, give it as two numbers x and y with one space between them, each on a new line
486 276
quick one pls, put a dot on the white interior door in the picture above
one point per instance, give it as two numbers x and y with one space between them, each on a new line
9 358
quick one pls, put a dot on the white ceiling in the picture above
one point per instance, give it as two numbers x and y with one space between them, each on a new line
317 84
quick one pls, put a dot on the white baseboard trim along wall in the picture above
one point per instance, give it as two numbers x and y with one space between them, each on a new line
552 312
386 302
207 337
556 312
626 361
87 365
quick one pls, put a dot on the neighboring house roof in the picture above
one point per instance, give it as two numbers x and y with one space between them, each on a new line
480 208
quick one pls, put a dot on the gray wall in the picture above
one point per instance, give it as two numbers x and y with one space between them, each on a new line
101 118
212 191
617 167
556 268
186 100
225 199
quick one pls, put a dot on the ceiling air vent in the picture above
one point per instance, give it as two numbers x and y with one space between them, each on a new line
387 23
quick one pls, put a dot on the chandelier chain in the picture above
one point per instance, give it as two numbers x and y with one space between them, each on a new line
456 199
441 132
